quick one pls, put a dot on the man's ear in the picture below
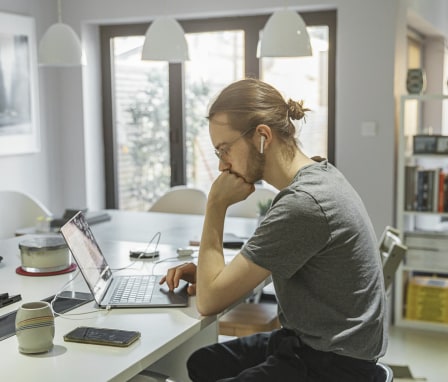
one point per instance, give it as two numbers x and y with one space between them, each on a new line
264 134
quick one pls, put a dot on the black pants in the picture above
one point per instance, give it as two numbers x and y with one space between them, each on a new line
276 356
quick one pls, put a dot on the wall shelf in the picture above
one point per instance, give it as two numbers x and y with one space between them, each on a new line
424 232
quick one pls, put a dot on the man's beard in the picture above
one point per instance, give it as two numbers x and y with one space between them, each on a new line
255 165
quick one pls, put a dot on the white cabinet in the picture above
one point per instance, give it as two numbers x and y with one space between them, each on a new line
421 287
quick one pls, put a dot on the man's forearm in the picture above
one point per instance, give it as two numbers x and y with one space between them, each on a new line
211 257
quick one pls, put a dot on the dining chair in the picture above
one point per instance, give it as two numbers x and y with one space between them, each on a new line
181 200
392 252
19 210
383 373
389 236
249 208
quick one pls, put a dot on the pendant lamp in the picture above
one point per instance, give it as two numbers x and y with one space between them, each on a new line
284 35
165 41
60 46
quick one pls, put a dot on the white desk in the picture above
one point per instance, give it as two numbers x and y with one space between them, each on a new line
176 229
169 335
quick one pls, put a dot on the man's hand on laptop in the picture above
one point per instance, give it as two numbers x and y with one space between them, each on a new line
185 272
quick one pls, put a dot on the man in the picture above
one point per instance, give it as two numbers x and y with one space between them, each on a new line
317 243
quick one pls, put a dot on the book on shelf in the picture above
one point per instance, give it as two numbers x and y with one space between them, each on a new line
410 198
426 190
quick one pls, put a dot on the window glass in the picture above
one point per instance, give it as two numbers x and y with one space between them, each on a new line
141 118
216 59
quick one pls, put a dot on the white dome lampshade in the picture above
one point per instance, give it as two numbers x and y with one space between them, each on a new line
60 46
165 41
284 35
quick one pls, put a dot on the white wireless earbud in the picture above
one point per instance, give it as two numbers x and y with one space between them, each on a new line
262 139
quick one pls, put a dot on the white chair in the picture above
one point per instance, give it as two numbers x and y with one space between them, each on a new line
249 208
19 210
181 200
392 252
389 236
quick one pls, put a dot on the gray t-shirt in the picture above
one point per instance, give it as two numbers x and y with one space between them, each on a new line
319 244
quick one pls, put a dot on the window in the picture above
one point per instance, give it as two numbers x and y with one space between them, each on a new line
141 123
156 133
216 59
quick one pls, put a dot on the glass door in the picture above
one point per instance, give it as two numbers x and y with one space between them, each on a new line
216 59
141 119
155 126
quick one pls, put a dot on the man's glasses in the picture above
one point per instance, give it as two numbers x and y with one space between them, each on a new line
223 151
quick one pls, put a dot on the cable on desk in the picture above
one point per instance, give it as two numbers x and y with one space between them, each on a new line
158 235
141 256
65 315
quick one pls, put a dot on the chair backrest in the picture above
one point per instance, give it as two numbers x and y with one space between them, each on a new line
392 252
248 208
391 263
389 236
383 373
181 200
19 210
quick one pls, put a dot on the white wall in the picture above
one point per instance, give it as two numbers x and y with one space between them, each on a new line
369 76
31 172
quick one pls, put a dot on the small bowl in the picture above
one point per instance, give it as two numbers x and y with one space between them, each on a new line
45 254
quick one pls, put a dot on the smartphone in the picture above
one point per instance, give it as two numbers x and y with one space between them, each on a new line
102 336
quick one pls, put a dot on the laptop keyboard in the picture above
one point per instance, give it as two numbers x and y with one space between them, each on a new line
134 289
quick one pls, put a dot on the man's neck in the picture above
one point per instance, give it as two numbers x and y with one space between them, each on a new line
280 172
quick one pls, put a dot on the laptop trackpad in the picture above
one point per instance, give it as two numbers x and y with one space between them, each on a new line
177 297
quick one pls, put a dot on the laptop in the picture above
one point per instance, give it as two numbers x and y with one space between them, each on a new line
111 291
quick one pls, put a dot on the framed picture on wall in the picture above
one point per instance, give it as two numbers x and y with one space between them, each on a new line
19 110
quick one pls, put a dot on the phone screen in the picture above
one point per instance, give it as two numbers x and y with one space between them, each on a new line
102 336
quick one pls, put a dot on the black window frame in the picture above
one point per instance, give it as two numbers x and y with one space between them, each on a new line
251 25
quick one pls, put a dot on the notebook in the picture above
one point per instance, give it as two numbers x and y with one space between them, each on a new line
105 287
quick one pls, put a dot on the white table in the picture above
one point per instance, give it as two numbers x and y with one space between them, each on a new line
169 335
176 229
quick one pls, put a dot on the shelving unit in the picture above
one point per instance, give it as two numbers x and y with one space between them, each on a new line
424 232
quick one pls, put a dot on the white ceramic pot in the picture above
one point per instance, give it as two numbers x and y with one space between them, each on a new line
35 327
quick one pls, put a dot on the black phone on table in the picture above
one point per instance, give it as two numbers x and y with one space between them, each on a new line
102 336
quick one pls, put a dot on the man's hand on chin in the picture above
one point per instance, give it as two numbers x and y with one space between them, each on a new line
230 188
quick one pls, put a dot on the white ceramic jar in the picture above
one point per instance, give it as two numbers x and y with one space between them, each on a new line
35 327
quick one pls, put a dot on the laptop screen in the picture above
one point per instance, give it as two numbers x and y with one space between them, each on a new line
87 254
